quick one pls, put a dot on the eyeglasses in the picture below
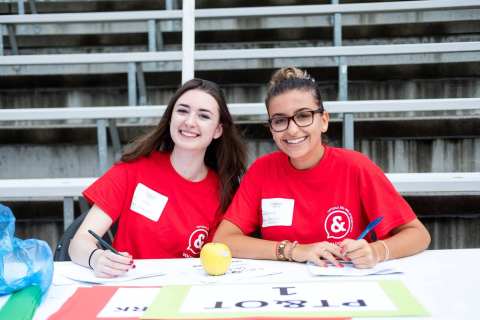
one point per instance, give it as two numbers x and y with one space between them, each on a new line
301 119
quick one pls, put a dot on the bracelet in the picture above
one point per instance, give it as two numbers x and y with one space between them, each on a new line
290 251
387 252
91 254
276 250
281 247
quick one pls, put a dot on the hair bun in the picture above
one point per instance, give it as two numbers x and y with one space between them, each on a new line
288 72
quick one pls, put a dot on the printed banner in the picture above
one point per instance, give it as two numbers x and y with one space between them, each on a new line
102 302
285 300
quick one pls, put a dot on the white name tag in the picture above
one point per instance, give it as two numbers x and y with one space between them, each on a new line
277 212
148 202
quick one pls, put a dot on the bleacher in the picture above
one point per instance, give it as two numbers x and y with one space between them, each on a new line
405 74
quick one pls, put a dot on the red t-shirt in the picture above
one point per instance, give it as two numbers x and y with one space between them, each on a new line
186 222
334 200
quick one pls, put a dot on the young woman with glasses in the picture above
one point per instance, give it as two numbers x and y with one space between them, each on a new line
170 188
311 201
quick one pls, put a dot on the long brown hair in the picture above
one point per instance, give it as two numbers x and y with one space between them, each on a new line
226 155
290 78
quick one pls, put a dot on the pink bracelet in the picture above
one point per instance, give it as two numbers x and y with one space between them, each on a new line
290 251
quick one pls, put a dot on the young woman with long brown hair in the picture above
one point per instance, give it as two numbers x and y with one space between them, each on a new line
170 188
311 200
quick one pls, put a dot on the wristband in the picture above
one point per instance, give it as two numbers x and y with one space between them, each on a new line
280 250
290 251
387 252
90 258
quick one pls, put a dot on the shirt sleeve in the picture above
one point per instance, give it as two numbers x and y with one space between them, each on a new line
109 191
379 198
245 208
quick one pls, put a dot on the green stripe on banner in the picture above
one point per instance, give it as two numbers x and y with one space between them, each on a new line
22 304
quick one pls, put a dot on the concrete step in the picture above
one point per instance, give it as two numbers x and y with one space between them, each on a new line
437 82
444 125
393 155
137 42
418 61
425 20
132 33
406 67
66 6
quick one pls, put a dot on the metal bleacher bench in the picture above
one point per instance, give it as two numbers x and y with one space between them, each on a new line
405 183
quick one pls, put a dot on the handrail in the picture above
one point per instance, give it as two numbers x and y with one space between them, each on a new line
411 183
238 109
253 12
270 53
60 187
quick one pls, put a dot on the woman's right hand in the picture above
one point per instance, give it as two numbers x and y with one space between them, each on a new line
315 251
107 264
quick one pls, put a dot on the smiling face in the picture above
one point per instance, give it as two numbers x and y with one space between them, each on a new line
302 144
195 121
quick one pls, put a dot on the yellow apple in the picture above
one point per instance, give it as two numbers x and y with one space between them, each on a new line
215 258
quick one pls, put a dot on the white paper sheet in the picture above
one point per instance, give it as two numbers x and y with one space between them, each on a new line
386 267
288 298
129 303
239 269
75 272
59 280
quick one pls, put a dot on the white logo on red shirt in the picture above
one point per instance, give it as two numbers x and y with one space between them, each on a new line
338 223
197 240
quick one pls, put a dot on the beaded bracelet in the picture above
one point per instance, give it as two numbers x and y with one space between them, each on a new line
280 249
276 249
290 251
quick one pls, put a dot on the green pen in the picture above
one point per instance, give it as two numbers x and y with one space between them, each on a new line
106 245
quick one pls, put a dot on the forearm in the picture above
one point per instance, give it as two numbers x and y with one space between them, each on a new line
242 246
81 248
406 242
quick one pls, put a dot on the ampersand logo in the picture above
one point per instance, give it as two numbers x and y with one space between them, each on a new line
197 240
338 223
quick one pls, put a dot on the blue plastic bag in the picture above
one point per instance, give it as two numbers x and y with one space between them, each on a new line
22 262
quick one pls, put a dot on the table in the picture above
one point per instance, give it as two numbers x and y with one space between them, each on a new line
445 282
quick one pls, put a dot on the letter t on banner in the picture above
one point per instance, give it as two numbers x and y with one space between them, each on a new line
188 40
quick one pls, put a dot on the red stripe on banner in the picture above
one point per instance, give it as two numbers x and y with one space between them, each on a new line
86 304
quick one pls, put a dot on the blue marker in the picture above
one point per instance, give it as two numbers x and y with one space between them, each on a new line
369 228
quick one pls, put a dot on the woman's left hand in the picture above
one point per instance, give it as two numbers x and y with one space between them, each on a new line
360 252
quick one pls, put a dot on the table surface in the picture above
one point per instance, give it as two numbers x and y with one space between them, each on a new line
445 282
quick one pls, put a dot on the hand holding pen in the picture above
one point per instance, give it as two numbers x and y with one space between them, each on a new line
109 263
359 251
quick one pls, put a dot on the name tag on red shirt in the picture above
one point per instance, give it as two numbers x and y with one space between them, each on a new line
277 212
148 203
